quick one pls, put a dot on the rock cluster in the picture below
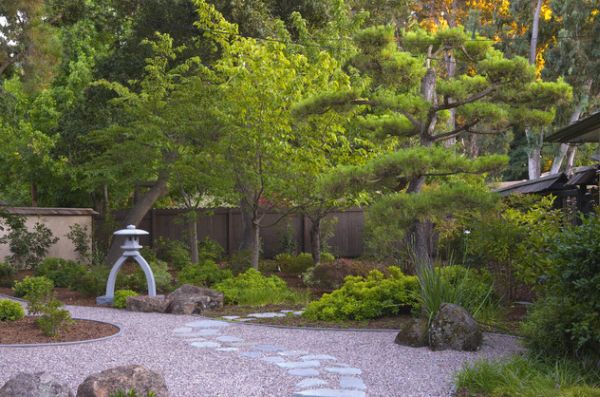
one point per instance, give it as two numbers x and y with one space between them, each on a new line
452 328
103 384
187 299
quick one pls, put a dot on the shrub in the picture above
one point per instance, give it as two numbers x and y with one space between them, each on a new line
209 249
79 236
137 280
28 248
294 264
10 310
7 272
329 276
252 288
326 257
203 275
131 393
566 320
240 261
62 272
361 298
173 252
120 299
36 290
93 281
54 318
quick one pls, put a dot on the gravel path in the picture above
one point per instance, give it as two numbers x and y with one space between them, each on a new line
208 358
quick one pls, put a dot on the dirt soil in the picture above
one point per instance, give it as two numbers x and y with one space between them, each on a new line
25 331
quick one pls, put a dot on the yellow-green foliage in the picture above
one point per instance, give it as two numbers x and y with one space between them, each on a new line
54 318
362 298
37 291
204 274
294 264
10 310
120 299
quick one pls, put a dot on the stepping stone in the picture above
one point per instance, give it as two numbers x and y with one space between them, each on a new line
245 319
182 330
303 372
298 313
196 340
318 357
206 345
227 338
231 317
344 370
287 311
208 332
193 334
290 353
310 382
268 348
351 382
329 393
251 354
273 359
228 349
208 324
266 315
299 364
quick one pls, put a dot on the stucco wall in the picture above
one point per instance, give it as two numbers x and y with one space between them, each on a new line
58 220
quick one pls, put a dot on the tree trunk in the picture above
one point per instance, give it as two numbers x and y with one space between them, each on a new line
193 236
137 213
250 233
558 159
423 243
315 240
534 162
34 195
535 29
571 159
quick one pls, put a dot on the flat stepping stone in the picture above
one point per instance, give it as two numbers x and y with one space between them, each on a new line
266 315
299 364
318 357
268 348
208 332
287 311
303 372
227 338
208 324
344 370
298 313
310 382
196 340
245 319
273 359
352 382
230 317
182 330
206 345
251 354
329 393
228 349
291 353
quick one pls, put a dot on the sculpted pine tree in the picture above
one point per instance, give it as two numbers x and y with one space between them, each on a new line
410 96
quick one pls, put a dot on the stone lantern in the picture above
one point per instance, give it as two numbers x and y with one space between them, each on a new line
131 249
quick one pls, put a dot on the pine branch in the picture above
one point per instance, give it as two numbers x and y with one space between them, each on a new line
455 132
471 99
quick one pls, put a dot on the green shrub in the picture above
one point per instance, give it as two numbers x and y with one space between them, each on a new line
361 298
10 310
131 393
173 252
7 272
527 377
566 319
294 264
80 237
209 249
203 275
120 299
27 247
252 288
240 261
36 290
328 276
62 272
93 281
136 281
54 318
326 257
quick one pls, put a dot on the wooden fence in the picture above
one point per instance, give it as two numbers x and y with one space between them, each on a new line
224 225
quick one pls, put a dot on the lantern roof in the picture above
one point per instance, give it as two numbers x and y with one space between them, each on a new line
131 231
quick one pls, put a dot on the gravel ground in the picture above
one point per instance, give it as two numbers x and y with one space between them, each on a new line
388 370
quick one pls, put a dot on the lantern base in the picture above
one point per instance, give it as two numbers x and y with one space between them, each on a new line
104 300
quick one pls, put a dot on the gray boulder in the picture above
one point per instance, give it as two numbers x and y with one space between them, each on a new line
189 299
454 328
39 384
147 304
413 333
125 378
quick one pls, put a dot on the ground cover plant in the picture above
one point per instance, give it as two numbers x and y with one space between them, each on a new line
204 274
120 299
11 310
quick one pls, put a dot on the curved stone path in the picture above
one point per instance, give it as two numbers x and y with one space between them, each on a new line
204 357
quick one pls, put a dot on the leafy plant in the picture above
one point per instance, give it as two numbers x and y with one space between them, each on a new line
37 291
28 248
137 280
362 298
294 264
173 252
252 288
80 237
204 274
10 310
209 249
54 318
120 299
64 273
240 261
7 272
330 275
93 281
131 393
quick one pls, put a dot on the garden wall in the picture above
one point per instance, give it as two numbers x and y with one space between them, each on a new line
58 220
224 225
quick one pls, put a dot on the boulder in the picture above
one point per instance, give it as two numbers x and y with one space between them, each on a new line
39 384
125 378
454 328
189 299
147 304
413 333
